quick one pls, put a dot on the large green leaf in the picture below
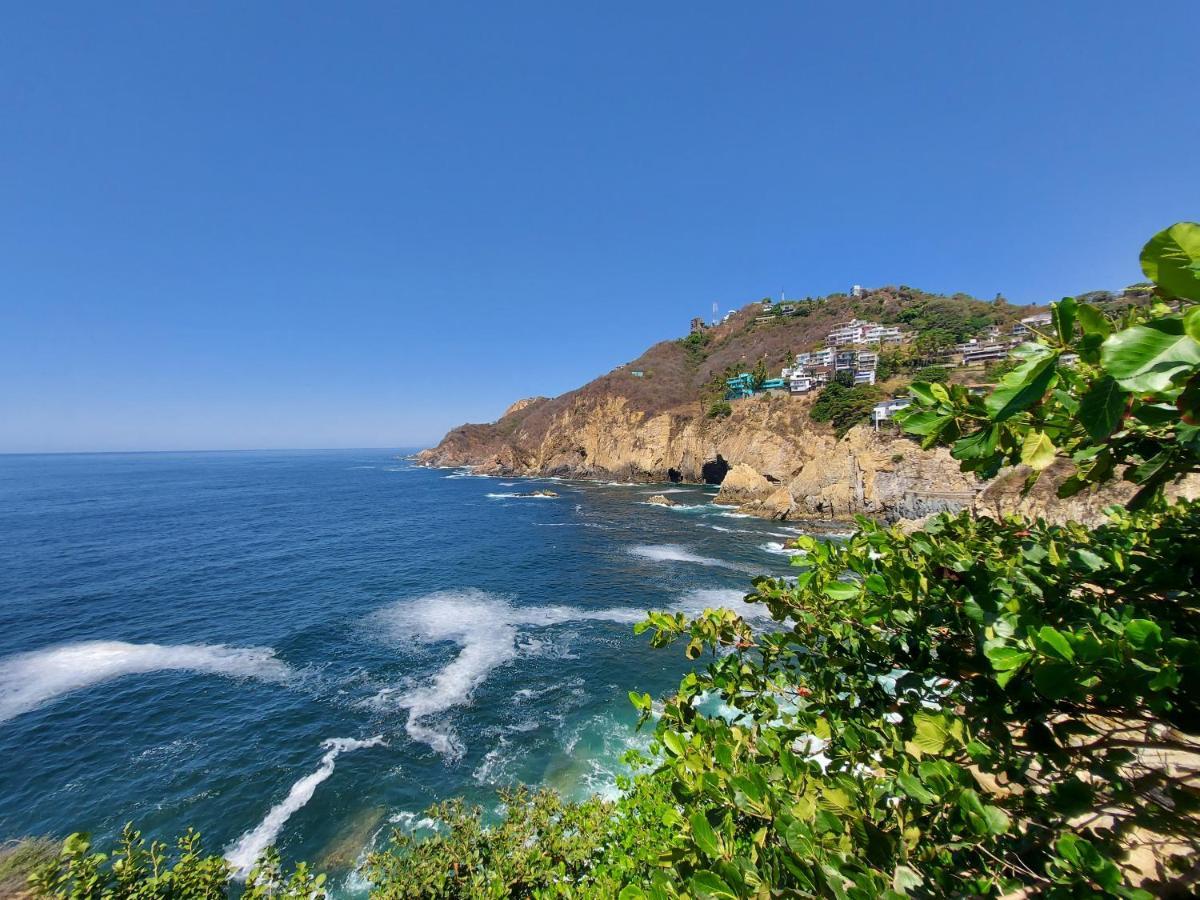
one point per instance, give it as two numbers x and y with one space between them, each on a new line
1023 386
1191 322
1092 320
708 884
979 445
926 421
1143 634
1037 451
1171 259
704 836
1051 640
1102 407
1147 357
840 590
1063 314
932 732
905 877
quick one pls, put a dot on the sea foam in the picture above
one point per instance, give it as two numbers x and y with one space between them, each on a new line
781 549
485 628
675 553
28 680
242 855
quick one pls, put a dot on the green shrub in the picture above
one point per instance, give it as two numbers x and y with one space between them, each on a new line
933 374
720 409
133 871
844 407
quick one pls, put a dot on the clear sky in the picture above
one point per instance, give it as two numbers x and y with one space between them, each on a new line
300 224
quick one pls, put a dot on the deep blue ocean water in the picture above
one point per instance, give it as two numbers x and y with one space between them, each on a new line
309 648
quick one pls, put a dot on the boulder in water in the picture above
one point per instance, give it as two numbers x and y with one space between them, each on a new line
662 500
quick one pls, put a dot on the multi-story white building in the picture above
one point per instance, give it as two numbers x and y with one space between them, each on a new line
849 333
882 334
856 331
976 352
822 357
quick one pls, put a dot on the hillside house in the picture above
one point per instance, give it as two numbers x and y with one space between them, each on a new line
856 331
1027 324
975 353
884 411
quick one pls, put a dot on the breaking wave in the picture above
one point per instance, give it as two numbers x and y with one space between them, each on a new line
28 680
781 549
250 845
485 628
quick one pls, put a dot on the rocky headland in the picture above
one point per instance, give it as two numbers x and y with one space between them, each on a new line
650 421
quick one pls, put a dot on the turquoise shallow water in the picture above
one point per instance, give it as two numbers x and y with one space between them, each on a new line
310 648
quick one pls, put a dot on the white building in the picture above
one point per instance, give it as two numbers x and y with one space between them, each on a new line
799 384
822 357
857 331
1027 324
882 412
975 352
849 333
882 334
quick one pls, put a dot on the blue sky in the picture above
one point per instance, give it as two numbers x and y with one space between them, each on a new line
231 225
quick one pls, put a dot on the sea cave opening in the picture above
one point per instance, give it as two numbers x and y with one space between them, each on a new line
714 471
674 475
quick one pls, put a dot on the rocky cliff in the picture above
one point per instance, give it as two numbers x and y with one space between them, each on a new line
770 458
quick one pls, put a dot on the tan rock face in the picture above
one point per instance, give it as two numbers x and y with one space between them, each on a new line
769 457
743 484
522 404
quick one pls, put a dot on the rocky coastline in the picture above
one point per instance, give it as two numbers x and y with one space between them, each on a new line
769 458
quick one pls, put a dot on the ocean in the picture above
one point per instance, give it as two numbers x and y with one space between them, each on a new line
310 648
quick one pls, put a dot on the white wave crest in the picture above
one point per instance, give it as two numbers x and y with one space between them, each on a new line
513 494
28 680
485 628
781 549
675 553
250 845
677 507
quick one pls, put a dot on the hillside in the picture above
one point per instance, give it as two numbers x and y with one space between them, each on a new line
655 426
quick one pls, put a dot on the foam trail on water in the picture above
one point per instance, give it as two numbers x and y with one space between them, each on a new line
250 845
675 553
485 628
28 680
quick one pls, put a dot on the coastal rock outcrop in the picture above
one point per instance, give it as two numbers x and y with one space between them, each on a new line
653 421
661 500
